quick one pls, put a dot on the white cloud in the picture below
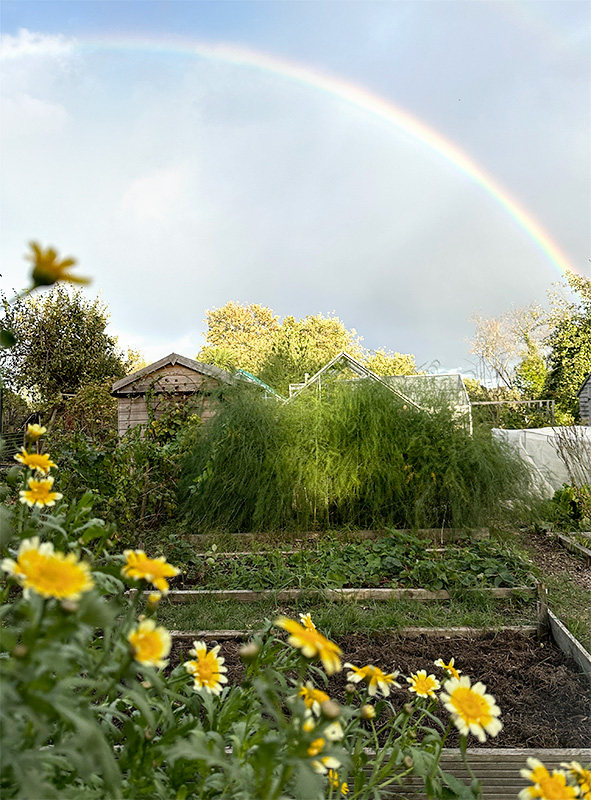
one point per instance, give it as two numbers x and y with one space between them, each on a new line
30 43
154 197
24 115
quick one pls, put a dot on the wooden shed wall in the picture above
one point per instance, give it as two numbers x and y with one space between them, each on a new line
164 383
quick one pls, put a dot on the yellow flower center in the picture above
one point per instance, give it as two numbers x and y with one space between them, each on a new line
471 706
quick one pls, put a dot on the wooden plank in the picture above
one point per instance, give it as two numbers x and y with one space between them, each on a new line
569 645
498 769
574 547
435 534
402 633
249 596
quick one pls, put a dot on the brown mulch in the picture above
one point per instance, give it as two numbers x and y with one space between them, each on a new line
545 701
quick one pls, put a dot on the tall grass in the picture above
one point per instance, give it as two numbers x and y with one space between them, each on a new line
357 456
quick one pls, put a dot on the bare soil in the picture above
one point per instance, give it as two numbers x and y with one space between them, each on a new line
549 555
545 701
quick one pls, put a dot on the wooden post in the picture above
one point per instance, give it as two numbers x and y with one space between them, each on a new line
543 623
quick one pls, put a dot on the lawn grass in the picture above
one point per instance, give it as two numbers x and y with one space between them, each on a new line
572 605
341 618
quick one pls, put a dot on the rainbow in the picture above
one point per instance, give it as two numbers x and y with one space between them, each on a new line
358 97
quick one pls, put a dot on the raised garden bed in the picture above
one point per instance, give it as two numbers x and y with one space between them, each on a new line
260 541
283 595
545 700
397 561
576 547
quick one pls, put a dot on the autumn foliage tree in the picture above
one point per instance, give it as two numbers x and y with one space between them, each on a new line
252 338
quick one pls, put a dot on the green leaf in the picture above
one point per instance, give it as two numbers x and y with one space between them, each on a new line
7 338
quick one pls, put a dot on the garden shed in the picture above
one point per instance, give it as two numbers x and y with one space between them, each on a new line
584 395
146 392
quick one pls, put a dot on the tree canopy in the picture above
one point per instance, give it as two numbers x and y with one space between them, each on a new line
252 338
535 353
61 344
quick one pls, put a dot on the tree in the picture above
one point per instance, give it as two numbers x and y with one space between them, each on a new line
304 346
510 349
61 344
239 336
279 353
569 342
383 362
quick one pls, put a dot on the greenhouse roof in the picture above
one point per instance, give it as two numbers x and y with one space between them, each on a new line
338 365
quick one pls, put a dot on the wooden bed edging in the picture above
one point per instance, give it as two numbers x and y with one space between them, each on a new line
435 534
498 769
574 547
412 633
248 596
569 645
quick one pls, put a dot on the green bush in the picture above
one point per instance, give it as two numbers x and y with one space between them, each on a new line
357 456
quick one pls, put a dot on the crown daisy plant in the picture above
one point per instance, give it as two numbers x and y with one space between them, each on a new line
374 677
547 786
312 644
39 462
423 685
153 570
581 776
150 643
472 710
51 574
39 493
206 668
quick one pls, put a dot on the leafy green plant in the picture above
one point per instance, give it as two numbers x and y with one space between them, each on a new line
355 456
570 507
393 561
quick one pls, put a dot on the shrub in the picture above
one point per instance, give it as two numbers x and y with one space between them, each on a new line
356 456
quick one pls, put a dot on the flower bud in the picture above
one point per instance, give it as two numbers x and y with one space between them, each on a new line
350 688
69 605
146 684
249 652
20 651
330 709
407 708
408 761
368 711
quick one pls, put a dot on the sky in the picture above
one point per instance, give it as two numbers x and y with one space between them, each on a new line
401 164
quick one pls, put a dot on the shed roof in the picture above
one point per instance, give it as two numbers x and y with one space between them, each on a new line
585 383
171 360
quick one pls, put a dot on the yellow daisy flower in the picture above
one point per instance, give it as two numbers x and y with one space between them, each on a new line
582 777
335 783
317 746
423 685
47 270
312 643
472 710
39 493
312 697
151 645
546 786
40 462
306 620
154 570
323 765
206 669
51 574
374 677
449 668
35 432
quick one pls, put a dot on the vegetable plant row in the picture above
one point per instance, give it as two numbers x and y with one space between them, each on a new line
395 561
